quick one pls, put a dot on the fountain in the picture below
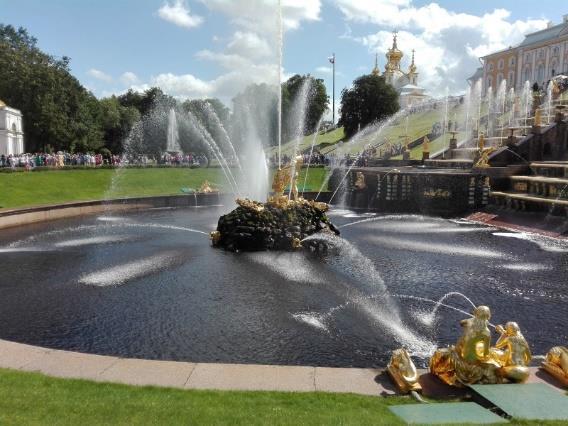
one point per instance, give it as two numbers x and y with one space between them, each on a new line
173 133
472 360
222 307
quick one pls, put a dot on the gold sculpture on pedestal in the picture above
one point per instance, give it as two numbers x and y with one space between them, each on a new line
472 360
556 363
360 183
403 371
483 161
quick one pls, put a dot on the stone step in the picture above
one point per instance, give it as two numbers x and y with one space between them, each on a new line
550 169
541 179
529 202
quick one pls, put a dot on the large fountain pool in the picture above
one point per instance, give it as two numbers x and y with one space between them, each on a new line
149 285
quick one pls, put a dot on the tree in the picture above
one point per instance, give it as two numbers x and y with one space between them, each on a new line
116 121
58 111
317 103
370 99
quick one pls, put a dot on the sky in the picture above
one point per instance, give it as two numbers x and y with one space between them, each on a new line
215 48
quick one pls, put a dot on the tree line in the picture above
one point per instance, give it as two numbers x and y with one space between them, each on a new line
62 115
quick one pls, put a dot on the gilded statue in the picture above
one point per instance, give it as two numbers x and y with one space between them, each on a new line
556 363
206 188
403 371
283 177
360 183
472 360
484 153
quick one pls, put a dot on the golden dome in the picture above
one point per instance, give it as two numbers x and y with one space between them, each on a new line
394 55
412 69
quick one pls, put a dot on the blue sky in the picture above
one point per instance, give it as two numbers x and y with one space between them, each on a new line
199 48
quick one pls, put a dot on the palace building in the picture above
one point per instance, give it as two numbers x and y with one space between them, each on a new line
540 57
11 131
406 83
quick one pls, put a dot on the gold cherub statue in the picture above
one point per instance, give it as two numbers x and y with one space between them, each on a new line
403 371
483 161
472 360
556 363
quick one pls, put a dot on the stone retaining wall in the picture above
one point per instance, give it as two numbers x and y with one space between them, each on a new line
25 216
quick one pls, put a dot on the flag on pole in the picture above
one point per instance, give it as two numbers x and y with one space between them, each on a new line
332 59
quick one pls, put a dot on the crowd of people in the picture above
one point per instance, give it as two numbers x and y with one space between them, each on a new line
66 159
58 160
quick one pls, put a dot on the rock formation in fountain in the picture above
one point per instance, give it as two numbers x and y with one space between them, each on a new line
279 224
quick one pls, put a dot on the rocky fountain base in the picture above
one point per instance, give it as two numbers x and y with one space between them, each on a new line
279 224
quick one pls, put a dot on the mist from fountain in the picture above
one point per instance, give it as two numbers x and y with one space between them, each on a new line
489 99
548 101
347 260
467 101
374 131
511 98
318 127
446 109
500 104
526 102
173 133
299 109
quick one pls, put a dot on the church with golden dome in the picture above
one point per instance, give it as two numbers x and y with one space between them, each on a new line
406 83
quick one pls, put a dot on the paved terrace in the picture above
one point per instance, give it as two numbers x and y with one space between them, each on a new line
186 375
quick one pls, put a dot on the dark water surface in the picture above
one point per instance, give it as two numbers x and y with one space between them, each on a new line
148 285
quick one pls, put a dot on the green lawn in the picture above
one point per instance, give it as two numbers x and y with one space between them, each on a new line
29 398
35 399
52 187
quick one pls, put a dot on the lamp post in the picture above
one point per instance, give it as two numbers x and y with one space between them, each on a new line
332 60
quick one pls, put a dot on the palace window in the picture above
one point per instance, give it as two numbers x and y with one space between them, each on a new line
527 75
511 79
512 61
540 73
501 64
490 66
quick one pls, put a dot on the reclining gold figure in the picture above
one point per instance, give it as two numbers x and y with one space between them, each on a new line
556 363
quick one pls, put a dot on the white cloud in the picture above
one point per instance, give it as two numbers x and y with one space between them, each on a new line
324 70
129 78
261 15
178 13
248 56
448 44
99 75
249 44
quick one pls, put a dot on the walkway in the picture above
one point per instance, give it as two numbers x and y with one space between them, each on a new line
187 375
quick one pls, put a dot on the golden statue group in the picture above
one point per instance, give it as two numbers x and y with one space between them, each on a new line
472 360
281 223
